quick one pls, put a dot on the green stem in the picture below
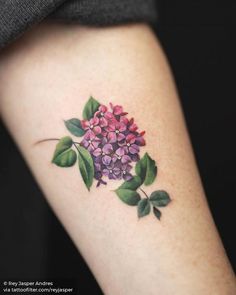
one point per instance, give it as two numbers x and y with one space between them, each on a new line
144 193
53 139
74 143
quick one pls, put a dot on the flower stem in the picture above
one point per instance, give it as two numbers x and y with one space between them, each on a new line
144 193
74 143
52 139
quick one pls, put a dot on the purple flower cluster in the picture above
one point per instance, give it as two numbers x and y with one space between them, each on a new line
113 141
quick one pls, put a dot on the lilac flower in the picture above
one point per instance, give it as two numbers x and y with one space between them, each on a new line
125 171
139 139
112 171
121 156
92 125
104 153
117 110
98 175
104 116
132 126
129 145
90 141
115 130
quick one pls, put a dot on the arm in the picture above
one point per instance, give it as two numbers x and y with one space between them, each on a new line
47 77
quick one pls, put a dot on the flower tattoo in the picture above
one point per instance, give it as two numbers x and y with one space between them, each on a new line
109 150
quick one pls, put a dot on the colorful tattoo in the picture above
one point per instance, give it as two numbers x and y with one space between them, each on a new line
110 144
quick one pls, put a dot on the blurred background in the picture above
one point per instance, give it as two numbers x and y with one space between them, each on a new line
197 38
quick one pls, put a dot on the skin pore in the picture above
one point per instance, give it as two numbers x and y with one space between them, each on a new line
46 77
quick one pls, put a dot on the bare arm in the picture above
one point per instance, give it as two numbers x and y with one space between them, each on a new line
47 77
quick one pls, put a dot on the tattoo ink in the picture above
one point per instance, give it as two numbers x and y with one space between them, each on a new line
109 149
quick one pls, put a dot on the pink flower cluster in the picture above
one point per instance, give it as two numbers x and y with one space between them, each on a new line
113 141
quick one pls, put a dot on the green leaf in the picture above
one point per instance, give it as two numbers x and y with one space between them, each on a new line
128 196
160 198
66 159
64 144
132 184
146 169
86 166
90 108
64 156
143 207
157 213
74 126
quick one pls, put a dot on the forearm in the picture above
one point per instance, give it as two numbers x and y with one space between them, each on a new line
45 80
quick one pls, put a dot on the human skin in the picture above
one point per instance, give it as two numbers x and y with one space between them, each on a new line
47 77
